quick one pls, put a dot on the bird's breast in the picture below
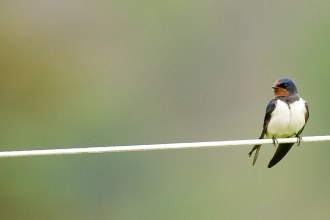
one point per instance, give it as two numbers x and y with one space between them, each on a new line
286 119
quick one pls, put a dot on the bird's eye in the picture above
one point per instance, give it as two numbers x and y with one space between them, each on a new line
283 85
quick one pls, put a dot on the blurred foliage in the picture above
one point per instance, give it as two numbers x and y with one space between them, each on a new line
107 73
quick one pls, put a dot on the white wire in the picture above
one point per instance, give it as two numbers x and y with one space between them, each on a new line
156 147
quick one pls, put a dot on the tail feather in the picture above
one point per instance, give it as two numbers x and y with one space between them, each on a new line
257 148
281 151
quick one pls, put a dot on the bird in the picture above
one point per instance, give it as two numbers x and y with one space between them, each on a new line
286 116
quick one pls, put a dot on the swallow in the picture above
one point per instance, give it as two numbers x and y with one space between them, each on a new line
286 116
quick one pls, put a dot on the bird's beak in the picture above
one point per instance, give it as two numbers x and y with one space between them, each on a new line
275 85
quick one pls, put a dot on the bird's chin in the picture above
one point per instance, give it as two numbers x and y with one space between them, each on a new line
280 92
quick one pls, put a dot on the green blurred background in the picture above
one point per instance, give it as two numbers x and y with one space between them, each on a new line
107 73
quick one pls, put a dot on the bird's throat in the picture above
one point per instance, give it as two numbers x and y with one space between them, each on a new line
280 92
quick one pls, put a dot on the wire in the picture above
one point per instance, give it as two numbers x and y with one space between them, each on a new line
156 147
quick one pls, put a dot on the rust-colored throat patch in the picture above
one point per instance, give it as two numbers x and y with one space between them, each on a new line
279 91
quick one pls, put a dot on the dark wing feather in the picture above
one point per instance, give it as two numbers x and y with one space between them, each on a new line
306 118
283 149
269 110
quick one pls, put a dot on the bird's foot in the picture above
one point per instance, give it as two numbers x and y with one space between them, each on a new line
299 139
275 141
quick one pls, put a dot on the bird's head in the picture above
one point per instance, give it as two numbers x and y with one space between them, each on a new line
284 87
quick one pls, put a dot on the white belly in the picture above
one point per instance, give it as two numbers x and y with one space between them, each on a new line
285 121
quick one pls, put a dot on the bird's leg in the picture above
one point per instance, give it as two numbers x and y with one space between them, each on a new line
275 141
299 139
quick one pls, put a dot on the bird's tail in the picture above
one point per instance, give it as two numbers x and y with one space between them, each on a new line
281 151
256 147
